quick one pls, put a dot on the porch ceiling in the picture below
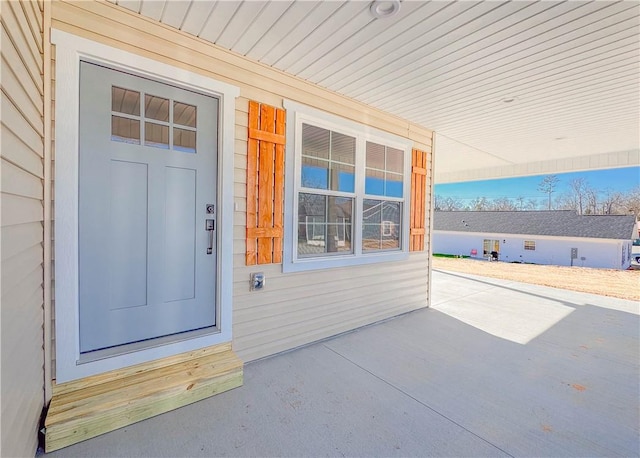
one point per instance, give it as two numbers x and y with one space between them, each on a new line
511 88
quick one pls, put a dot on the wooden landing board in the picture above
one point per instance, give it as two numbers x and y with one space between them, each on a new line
89 407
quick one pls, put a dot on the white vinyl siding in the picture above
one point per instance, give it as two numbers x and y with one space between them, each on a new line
22 153
293 309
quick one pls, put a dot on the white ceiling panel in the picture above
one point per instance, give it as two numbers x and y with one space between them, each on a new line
263 22
152 9
571 68
281 28
320 42
241 21
326 68
133 5
218 20
174 13
193 20
322 12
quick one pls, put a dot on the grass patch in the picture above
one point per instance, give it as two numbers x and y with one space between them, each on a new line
443 255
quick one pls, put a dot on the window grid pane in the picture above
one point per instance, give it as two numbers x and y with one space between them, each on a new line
324 225
156 135
328 160
184 114
156 108
184 140
125 130
125 101
381 225
384 170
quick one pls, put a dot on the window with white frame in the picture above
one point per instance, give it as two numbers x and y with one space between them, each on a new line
348 185
530 245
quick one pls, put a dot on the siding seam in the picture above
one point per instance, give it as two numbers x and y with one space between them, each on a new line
13 42
24 116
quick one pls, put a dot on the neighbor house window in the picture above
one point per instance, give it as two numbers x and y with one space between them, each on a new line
530 245
489 247
349 188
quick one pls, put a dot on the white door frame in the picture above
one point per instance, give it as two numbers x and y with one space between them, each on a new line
70 49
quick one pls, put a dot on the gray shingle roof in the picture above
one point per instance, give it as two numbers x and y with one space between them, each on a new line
561 223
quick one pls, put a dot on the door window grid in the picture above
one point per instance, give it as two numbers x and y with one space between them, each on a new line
530 245
166 124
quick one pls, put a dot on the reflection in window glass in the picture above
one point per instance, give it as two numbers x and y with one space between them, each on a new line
184 140
125 130
381 225
321 174
159 122
184 114
315 142
328 159
384 170
156 135
324 225
315 174
395 160
125 101
156 108
343 148
374 182
375 156
393 185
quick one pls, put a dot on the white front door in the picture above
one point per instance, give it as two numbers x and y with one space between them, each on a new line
147 209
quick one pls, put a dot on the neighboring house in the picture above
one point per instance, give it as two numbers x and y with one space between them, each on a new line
561 238
147 174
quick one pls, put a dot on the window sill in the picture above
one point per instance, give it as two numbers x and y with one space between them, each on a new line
334 262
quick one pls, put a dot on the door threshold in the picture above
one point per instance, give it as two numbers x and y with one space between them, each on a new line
110 352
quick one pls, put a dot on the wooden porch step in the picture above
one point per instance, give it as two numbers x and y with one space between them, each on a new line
86 408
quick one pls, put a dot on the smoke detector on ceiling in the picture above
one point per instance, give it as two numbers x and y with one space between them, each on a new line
382 9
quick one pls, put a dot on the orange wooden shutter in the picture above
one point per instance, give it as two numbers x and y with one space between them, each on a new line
418 196
265 184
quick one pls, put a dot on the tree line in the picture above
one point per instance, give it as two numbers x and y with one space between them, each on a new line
579 196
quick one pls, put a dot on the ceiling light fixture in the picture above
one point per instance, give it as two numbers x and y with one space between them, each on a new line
382 9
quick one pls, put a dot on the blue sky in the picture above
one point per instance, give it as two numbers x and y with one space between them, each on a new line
622 180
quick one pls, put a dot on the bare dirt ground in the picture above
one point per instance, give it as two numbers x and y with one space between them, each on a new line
624 284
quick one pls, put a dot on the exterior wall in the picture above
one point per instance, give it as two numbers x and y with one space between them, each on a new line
293 309
22 159
599 253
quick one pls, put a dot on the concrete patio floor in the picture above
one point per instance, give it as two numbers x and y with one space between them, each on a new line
493 368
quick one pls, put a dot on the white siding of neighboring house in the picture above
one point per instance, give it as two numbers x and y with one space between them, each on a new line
598 253
22 152
294 309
